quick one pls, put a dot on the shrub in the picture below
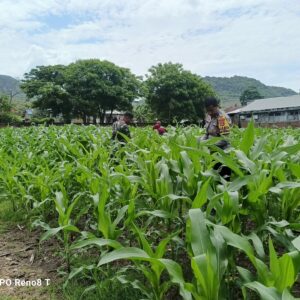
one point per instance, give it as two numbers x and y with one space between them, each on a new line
9 118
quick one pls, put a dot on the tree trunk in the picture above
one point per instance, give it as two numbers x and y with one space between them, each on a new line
84 116
67 118
101 114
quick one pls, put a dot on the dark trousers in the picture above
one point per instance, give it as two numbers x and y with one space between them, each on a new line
224 171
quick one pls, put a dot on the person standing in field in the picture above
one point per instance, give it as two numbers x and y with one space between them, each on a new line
217 124
120 128
160 129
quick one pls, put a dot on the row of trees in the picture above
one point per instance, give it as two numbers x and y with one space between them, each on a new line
85 88
93 87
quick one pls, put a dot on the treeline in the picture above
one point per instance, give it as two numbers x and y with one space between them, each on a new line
230 89
95 88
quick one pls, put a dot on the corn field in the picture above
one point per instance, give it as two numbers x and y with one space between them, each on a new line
157 213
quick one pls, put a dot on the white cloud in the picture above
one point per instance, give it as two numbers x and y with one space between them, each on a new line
256 38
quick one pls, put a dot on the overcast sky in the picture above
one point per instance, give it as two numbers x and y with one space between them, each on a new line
254 38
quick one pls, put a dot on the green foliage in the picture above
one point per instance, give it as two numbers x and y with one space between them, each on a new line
230 89
227 89
10 118
248 138
251 93
99 86
45 84
175 94
158 220
7 116
106 287
84 88
5 106
143 113
45 120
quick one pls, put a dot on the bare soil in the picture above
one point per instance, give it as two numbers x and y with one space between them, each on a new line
25 266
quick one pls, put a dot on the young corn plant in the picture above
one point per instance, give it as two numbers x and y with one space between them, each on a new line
110 221
208 260
149 262
287 195
64 207
279 278
209 255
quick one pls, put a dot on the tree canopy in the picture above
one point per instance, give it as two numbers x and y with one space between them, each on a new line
250 93
5 106
175 94
100 86
84 88
45 84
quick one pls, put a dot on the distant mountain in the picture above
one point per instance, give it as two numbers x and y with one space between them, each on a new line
8 84
229 89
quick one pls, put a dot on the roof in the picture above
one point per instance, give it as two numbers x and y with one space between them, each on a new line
114 112
273 103
231 108
236 111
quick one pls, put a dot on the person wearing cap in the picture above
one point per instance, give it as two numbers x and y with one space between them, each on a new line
120 128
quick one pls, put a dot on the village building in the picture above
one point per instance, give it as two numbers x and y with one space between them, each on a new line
109 118
270 112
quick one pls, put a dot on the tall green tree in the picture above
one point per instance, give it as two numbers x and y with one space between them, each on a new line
251 93
175 94
5 105
45 85
100 86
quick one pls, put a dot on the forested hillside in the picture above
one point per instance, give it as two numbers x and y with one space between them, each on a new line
229 89
10 85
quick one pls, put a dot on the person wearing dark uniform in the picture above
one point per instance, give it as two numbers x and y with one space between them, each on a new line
120 133
122 127
217 124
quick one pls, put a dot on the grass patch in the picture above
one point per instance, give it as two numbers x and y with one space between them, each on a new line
97 283
7 215
110 289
